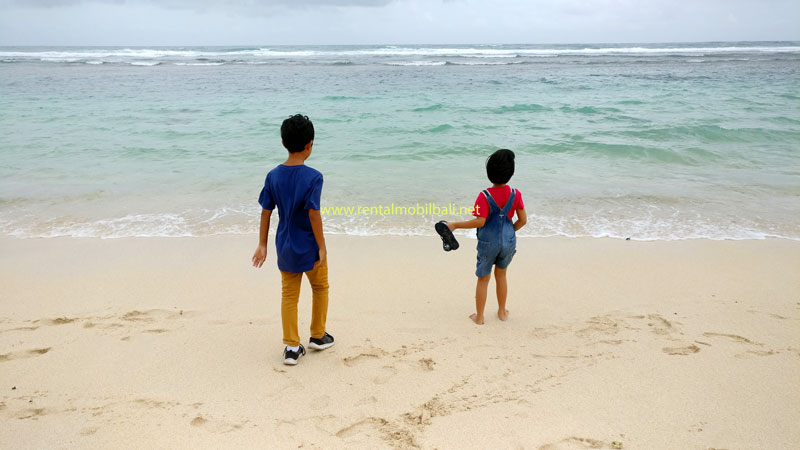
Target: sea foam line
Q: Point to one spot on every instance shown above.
(473, 52)
(237, 221)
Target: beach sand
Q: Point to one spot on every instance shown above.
(176, 343)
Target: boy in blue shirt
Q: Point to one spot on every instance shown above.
(497, 239)
(296, 189)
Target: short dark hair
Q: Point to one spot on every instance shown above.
(500, 166)
(296, 132)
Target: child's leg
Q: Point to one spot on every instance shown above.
(290, 294)
(480, 298)
(318, 278)
(502, 292)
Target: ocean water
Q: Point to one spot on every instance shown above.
(650, 141)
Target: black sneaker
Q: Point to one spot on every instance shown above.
(290, 357)
(326, 341)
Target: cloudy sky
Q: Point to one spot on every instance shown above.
(273, 22)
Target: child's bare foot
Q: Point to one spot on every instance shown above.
(476, 319)
(503, 315)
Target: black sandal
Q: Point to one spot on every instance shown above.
(449, 241)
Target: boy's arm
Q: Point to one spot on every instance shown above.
(522, 219)
(474, 223)
(316, 226)
(261, 251)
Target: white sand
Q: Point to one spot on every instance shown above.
(176, 343)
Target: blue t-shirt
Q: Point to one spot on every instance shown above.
(295, 190)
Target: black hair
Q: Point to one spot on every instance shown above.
(297, 131)
(500, 166)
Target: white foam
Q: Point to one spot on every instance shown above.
(138, 225)
(643, 228)
(422, 51)
(144, 63)
(497, 55)
(684, 51)
(389, 51)
(618, 217)
(51, 59)
(232, 223)
(287, 53)
(485, 63)
(417, 63)
(159, 53)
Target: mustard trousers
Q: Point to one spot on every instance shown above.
(290, 293)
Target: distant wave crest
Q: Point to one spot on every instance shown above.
(391, 55)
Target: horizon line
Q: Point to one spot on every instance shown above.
(403, 44)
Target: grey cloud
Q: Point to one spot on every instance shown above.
(224, 22)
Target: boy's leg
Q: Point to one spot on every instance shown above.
(290, 294)
(480, 298)
(318, 277)
(502, 292)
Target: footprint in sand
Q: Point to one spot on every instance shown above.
(384, 375)
(58, 321)
(45, 322)
(379, 431)
(575, 443)
(681, 350)
(661, 326)
(136, 318)
(734, 337)
(368, 426)
(773, 315)
(21, 329)
(24, 354)
(743, 340)
(427, 364)
(599, 325)
(156, 331)
(198, 421)
(36, 327)
(215, 426)
(31, 413)
(750, 353)
(546, 332)
(153, 315)
(351, 361)
(89, 431)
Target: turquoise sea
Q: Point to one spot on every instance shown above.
(648, 141)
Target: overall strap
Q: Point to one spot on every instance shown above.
(490, 199)
(510, 202)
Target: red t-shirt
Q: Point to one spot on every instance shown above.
(500, 196)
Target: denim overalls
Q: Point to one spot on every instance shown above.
(497, 240)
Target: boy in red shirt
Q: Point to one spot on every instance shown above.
(497, 240)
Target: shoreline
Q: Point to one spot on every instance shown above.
(413, 235)
(175, 342)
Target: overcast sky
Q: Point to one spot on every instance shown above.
(273, 22)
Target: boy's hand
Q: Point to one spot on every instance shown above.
(259, 256)
(323, 258)
(451, 226)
